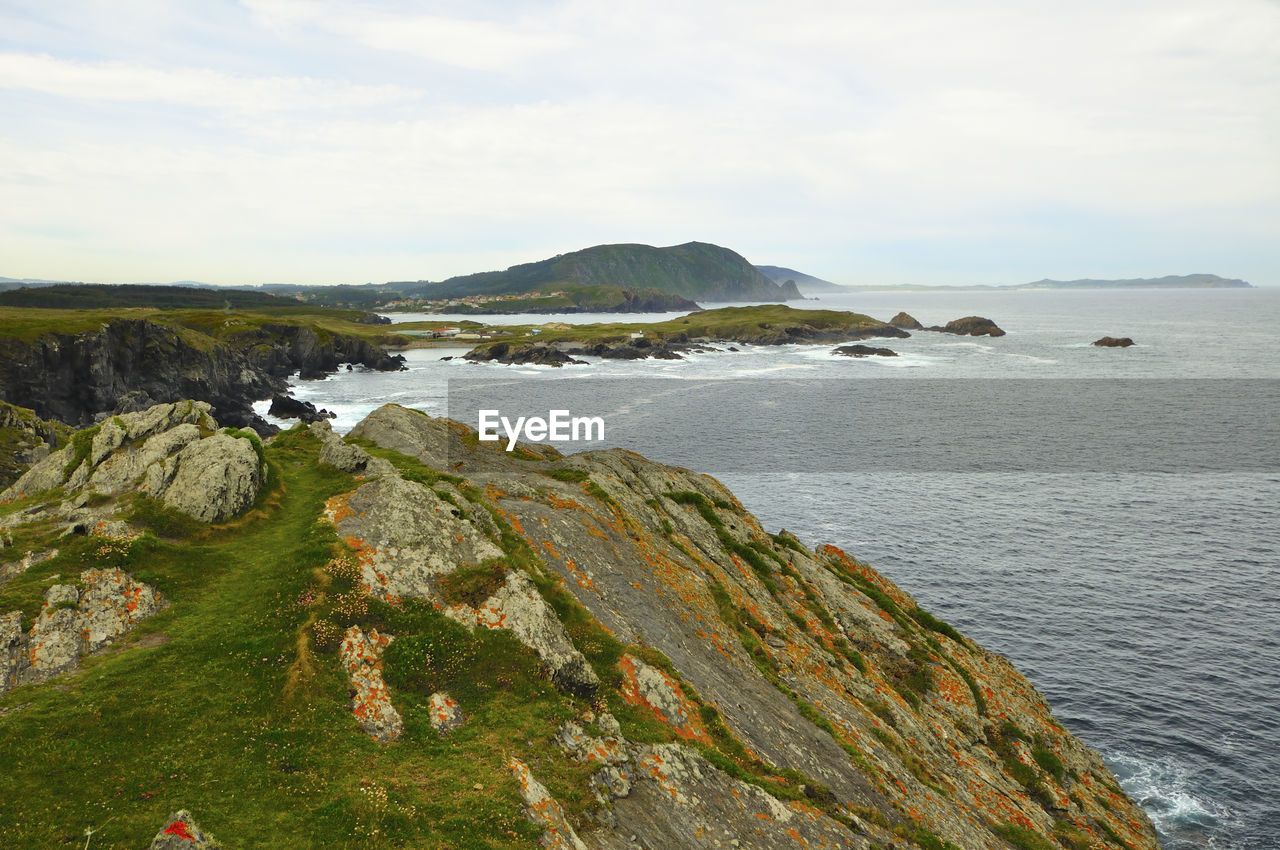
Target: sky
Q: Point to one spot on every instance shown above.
(863, 141)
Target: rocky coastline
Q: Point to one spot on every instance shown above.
(128, 365)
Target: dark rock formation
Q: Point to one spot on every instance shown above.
(970, 326)
(1113, 342)
(372, 319)
(131, 364)
(864, 351)
(288, 407)
(906, 321)
(520, 355)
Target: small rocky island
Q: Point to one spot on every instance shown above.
(409, 636)
(1113, 342)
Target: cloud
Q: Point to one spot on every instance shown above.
(470, 43)
(195, 87)
(371, 141)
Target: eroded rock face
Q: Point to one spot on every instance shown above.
(181, 832)
(371, 703)
(73, 622)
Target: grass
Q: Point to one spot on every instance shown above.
(239, 719)
(1022, 838)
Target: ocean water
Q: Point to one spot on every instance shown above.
(1141, 597)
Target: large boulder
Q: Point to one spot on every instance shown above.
(212, 479)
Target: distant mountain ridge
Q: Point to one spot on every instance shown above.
(806, 282)
(1185, 281)
(695, 270)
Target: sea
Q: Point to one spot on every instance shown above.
(1108, 519)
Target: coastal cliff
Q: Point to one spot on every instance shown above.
(126, 364)
(413, 639)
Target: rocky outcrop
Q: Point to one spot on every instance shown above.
(181, 832)
(1113, 342)
(129, 365)
(25, 439)
(370, 702)
(74, 621)
(521, 355)
(170, 452)
(864, 351)
(906, 321)
(810, 659)
(970, 326)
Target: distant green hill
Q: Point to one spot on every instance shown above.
(96, 296)
(695, 270)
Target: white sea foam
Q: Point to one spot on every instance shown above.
(1163, 787)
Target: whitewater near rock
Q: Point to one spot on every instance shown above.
(714, 684)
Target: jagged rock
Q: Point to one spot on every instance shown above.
(906, 321)
(970, 326)
(288, 407)
(519, 608)
(864, 351)
(542, 809)
(162, 452)
(72, 622)
(1113, 342)
(181, 832)
(371, 702)
(444, 712)
(216, 478)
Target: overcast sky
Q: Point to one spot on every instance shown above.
(864, 141)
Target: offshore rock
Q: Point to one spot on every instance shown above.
(970, 326)
(1113, 342)
(181, 832)
(521, 355)
(864, 351)
(370, 702)
(906, 321)
(288, 407)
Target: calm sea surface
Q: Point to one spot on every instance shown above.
(1144, 604)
